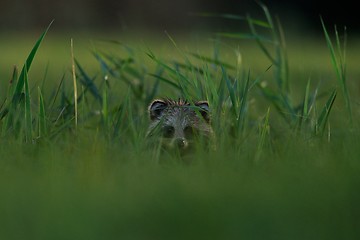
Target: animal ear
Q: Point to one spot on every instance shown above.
(156, 109)
(204, 109)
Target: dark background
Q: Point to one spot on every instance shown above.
(18, 15)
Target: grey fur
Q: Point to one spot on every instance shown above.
(176, 122)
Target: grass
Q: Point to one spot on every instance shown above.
(75, 164)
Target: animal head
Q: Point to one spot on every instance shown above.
(178, 123)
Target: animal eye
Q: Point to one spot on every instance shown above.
(189, 132)
(168, 131)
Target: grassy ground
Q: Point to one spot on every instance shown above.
(286, 163)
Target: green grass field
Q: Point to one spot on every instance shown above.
(75, 164)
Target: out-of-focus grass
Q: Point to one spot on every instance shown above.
(305, 52)
(308, 56)
(86, 190)
(99, 180)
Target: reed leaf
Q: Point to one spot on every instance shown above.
(27, 110)
(339, 65)
(42, 128)
(324, 115)
(26, 67)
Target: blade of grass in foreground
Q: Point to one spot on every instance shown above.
(13, 82)
(16, 92)
(324, 115)
(88, 83)
(7, 112)
(264, 132)
(243, 104)
(105, 111)
(26, 67)
(339, 65)
(42, 116)
(155, 87)
(120, 115)
(172, 71)
(167, 81)
(305, 108)
(232, 93)
(212, 61)
(6, 102)
(74, 82)
(28, 115)
(233, 17)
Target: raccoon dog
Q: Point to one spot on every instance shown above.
(177, 123)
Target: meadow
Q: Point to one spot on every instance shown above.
(75, 163)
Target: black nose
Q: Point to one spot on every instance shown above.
(181, 143)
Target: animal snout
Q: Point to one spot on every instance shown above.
(181, 143)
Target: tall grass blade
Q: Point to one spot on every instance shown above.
(167, 81)
(213, 61)
(219, 15)
(155, 88)
(13, 83)
(3, 113)
(59, 87)
(171, 70)
(183, 81)
(27, 109)
(245, 36)
(305, 111)
(8, 112)
(257, 22)
(283, 70)
(120, 114)
(264, 134)
(74, 82)
(339, 65)
(243, 104)
(4, 109)
(324, 115)
(260, 42)
(277, 101)
(19, 88)
(105, 111)
(177, 48)
(305, 108)
(41, 116)
(231, 90)
(26, 67)
(88, 83)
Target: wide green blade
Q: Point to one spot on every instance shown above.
(26, 67)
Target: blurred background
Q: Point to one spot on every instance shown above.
(86, 15)
(142, 23)
(302, 188)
